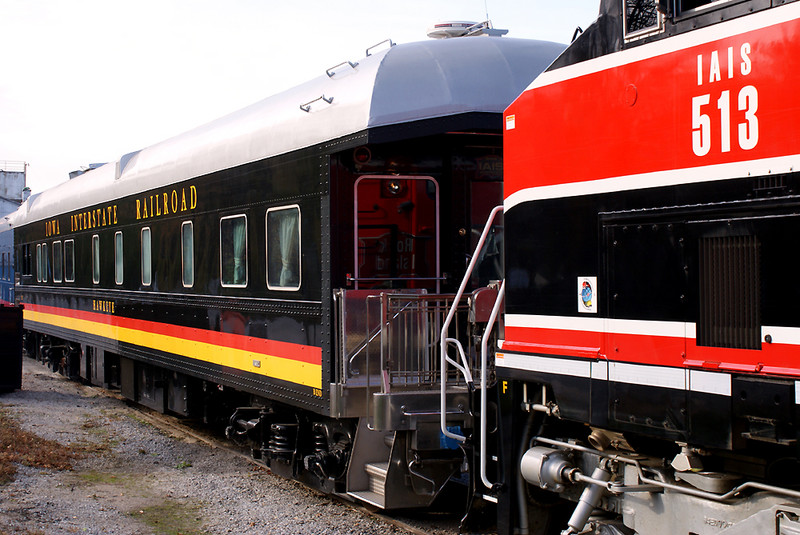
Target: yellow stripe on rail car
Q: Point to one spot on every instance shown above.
(285, 369)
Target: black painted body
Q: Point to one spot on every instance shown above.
(320, 181)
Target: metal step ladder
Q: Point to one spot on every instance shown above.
(377, 477)
(376, 495)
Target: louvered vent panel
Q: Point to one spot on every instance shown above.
(730, 292)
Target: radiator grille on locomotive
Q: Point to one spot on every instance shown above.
(730, 292)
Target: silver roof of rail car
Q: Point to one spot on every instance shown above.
(403, 83)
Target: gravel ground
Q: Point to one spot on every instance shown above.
(142, 480)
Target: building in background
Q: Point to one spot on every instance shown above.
(13, 191)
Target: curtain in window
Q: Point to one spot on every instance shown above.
(283, 248)
(233, 250)
(239, 255)
(288, 246)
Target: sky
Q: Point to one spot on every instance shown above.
(86, 81)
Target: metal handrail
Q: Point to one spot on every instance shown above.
(391, 44)
(332, 71)
(446, 326)
(484, 372)
(464, 367)
(372, 336)
(306, 106)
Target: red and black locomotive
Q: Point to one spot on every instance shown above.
(650, 333)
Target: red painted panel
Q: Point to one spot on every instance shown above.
(640, 117)
(775, 359)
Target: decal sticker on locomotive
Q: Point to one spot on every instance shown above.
(587, 295)
(511, 122)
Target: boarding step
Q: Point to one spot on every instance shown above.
(370, 498)
(379, 474)
(377, 477)
(376, 495)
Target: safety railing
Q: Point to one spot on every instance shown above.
(389, 340)
(445, 359)
(11, 166)
(410, 338)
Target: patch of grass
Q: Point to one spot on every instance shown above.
(139, 420)
(100, 477)
(171, 518)
(22, 447)
(92, 424)
(183, 465)
(109, 483)
(95, 448)
(98, 430)
(112, 414)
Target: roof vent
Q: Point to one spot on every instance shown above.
(445, 30)
(83, 170)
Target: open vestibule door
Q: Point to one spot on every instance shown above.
(396, 233)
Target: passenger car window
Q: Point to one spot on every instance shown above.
(233, 251)
(283, 248)
(58, 261)
(118, 258)
(39, 269)
(96, 259)
(146, 257)
(187, 253)
(69, 260)
(26, 260)
(45, 263)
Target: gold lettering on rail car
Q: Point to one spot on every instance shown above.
(51, 228)
(101, 305)
(165, 203)
(94, 218)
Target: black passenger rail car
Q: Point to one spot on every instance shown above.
(286, 268)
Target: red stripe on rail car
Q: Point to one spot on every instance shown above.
(302, 353)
